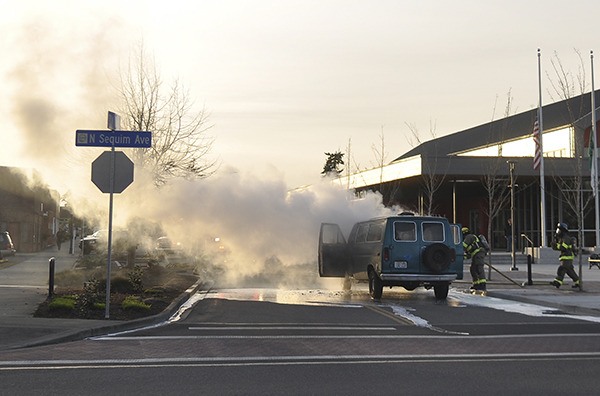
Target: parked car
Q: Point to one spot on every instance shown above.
(99, 240)
(164, 245)
(6, 245)
(404, 250)
(89, 243)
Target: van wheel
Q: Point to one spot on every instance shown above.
(375, 286)
(436, 257)
(441, 291)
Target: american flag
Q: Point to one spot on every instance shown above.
(537, 156)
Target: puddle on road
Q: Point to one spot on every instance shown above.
(316, 297)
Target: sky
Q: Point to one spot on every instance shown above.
(286, 81)
(283, 81)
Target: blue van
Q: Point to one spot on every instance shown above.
(403, 250)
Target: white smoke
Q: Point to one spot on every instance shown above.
(259, 223)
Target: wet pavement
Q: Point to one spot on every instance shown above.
(24, 280)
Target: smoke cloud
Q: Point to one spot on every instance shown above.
(258, 226)
(264, 229)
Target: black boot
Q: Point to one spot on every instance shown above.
(555, 283)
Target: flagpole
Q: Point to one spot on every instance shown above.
(542, 182)
(594, 176)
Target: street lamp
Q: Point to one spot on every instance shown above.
(511, 169)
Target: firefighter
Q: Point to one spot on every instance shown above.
(564, 243)
(475, 251)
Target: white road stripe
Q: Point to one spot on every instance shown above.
(292, 328)
(70, 364)
(401, 337)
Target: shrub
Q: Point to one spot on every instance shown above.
(90, 261)
(62, 303)
(89, 296)
(120, 284)
(135, 279)
(134, 303)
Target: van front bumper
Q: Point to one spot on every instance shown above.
(417, 278)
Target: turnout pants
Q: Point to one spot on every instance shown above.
(477, 270)
(566, 267)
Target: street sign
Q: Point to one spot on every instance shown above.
(134, 139)
(123, 176)
(114, 121)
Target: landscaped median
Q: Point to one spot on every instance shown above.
(135, 292)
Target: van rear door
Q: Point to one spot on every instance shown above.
(458, 248)
(333, 251)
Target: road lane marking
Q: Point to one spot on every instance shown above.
(361, 328)
(70, 364)
(349, 336)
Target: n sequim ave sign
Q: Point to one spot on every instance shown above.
(132, 139)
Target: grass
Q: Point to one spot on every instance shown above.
(133, 302)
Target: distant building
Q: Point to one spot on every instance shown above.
(456, 167)
(29, 210)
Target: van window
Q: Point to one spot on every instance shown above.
(375, 232)
(433, 232)
(332, 235)
(361, 234)
(405, 231)
(456, 234)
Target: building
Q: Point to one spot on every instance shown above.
(466, 175)
(29, 210)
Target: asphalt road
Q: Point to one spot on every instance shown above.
(268, 341)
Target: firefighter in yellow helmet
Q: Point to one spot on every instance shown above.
(564, 243)
(475, 251)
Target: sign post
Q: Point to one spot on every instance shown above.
(112, 171)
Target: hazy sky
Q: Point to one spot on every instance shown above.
(283, 81)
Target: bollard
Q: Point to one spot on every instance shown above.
(529, 261)
(51, 264)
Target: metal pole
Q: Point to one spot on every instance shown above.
(51, 269)
(581, 233)
(110, 216)
(542, 176)
(113, 124)
(454, 201)
(595, 157)
(511, 168)
(529, 278)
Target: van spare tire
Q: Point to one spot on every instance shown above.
(436, 257)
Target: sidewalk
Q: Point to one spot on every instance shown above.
(24, 280)
(582, 302)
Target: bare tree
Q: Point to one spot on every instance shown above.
(495, 186)
(567, 86)
(432, 179)
(380, 155)
(180, 140)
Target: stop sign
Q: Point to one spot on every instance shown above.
(123, 176)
